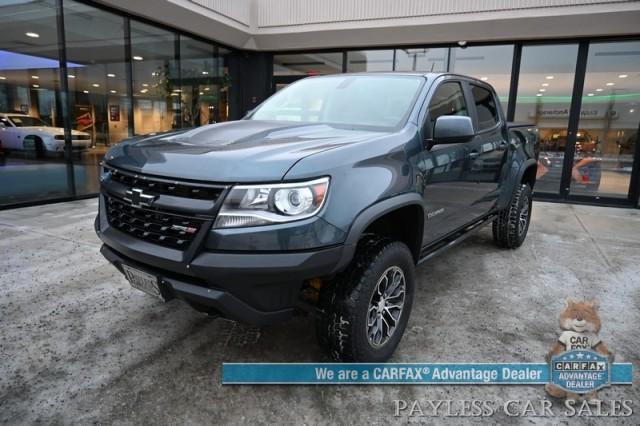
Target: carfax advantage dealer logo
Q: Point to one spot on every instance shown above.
(580, 371)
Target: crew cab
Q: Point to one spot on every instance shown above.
(325, 198)
(26, 133)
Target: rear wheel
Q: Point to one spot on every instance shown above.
(512, 224)
(364, 311)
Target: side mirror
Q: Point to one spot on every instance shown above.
(2, 125)
(452, 129)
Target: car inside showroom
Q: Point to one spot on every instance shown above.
(230, 212)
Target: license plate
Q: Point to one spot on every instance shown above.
(143, 281)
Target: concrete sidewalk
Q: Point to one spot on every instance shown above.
(78, 344)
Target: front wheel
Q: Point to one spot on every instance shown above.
(511, 226)
(34, 147)
(364, 312)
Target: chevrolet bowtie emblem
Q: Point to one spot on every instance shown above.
(138, 199)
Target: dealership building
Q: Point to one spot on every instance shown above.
(77, 77)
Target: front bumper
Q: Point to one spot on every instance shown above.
(256, 287)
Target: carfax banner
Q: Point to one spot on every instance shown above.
(429, 373)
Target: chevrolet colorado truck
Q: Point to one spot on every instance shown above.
(324, 198)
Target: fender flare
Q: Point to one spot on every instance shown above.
(505, 196)
(369, 215)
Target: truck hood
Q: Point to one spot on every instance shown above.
(239, 151)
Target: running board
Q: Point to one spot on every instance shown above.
(453, 239)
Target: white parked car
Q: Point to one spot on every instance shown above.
(23, 132)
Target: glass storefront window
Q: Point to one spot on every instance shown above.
(178, 82)
(224, 85)
(199, 93)
(423, 59)
(307, 64)
(32, 164)
(369, 60)
(156, 84)
(204, 83)
(99, 106)
(609, 118)
(488, 63)
(544, 98)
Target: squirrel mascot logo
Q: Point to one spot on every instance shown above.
(580, 325)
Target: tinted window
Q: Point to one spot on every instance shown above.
(485, 106)
(487, 63)
(447, 100)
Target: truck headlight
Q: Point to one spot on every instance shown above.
(254, 205)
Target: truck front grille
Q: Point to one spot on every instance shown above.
(164, 186)
(165, 229)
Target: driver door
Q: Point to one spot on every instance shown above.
(443, 168)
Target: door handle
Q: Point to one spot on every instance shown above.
(473, 155)
(502, 145)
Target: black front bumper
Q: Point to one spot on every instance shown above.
(256, 288)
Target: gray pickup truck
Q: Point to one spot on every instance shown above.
(324, 198)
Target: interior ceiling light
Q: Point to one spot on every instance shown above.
(549, 77)
(484, 78)
(95, 85)
(623, 76)
(589, 94)
(112, 91)
(138, 58)
(207, 89)
(85, 91)
(2, 77)
(610, 84)
(545, 84)
(145, 85)
(35, 77)
(36, 85)
(201, 93)
(111, 75)
(542, 90)
(71, 76)
(599, 90)
(32, 34)
(538, 94)
(205, 72)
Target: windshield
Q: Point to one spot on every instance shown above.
(357, 100)
(22, 121)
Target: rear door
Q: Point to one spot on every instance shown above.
(487, 151)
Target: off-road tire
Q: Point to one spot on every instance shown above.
(508, 232)
(341, 324)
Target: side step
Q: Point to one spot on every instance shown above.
(453, 239)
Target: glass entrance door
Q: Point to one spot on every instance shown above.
(607, 136)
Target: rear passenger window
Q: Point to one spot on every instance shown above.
(486, 107)
(447, 100)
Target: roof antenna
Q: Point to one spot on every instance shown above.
(433, 64)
